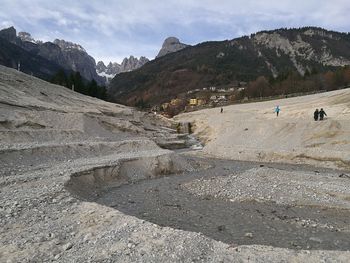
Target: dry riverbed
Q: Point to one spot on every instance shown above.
(245, 203)
(82, 180)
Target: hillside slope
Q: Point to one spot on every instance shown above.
(223, 63)
(253, 132)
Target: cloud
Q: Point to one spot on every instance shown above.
(6, 23)
(120, 28)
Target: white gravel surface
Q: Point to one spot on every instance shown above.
(49, 135)
(253, 132)
(278, 186)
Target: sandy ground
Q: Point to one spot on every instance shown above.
(61, 151)
(253, 132)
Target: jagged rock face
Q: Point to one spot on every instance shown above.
(9, 34)
(113, 69)
(301, 48)
(68, 46)
(142, 61)
(107, 72)
(66, 54)
(53, 52)
(170, 45)
(71, 56)
(79, 60)
(132, 63)
(100, 67)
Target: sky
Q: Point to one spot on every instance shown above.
(112, 30)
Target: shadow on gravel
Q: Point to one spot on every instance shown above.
(165, 202)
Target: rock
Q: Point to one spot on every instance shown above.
(221, 228)
(67, 246)
(9, 34)
(249, 235)
(170, 45)
(316, 239)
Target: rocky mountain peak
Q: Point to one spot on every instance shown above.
(171, 41)
(170, 45)
(143, 60)
(113, 68)
(100, 67)
(132, 63)
(9, 34)
(66, 45)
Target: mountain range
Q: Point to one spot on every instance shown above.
(16, 53)
(170, 45)
(179, 68)
(59, 54)
(44, 59)
(225, 63)
(108, 72)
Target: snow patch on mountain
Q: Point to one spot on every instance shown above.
(112, 69)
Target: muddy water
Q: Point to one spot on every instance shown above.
(164, 202)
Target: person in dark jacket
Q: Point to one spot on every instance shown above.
(316, 114)
(322, 113)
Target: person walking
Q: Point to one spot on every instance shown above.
(316, 113)
(222, 110)
(277, 110)
(322, 113)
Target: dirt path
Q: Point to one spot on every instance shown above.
(166, 202)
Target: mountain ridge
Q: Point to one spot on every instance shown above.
(223, 63)
(69, 56)
(170, 45)
(114, 68)
(72, 56)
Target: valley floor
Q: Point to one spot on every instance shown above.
(83, 180)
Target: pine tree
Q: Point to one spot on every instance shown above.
(92, 89)
(60, 78)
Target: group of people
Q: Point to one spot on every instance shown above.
(319, 114)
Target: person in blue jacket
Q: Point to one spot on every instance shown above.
(277, 110)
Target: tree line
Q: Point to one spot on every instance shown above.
(293, 82)
(75, 80)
